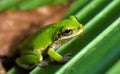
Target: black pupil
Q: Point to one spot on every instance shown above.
(67, 31)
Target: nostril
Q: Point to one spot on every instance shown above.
(78, 27)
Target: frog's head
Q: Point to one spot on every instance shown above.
(69, 28)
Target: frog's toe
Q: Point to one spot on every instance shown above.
(65, 58)
(69, 54)
(42, 63)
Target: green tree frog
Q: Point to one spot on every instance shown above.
(46, 41)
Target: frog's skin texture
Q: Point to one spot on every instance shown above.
(46, 41)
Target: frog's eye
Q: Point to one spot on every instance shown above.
(67, 32)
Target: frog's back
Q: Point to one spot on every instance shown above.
(46, 35)
(38, 40)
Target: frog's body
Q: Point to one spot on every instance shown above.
(46, 40)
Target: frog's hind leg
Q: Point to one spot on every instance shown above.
(29, 61)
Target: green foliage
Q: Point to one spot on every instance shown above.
(97, 50)
(5, 4)
(27, 4)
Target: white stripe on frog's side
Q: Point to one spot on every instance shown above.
(58, 43)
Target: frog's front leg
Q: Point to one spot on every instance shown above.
(57, 57)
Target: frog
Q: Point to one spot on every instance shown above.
(46, 41)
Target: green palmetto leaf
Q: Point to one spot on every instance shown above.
(96, 57)
(115, 69)
(97, 48)
(93, 28)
